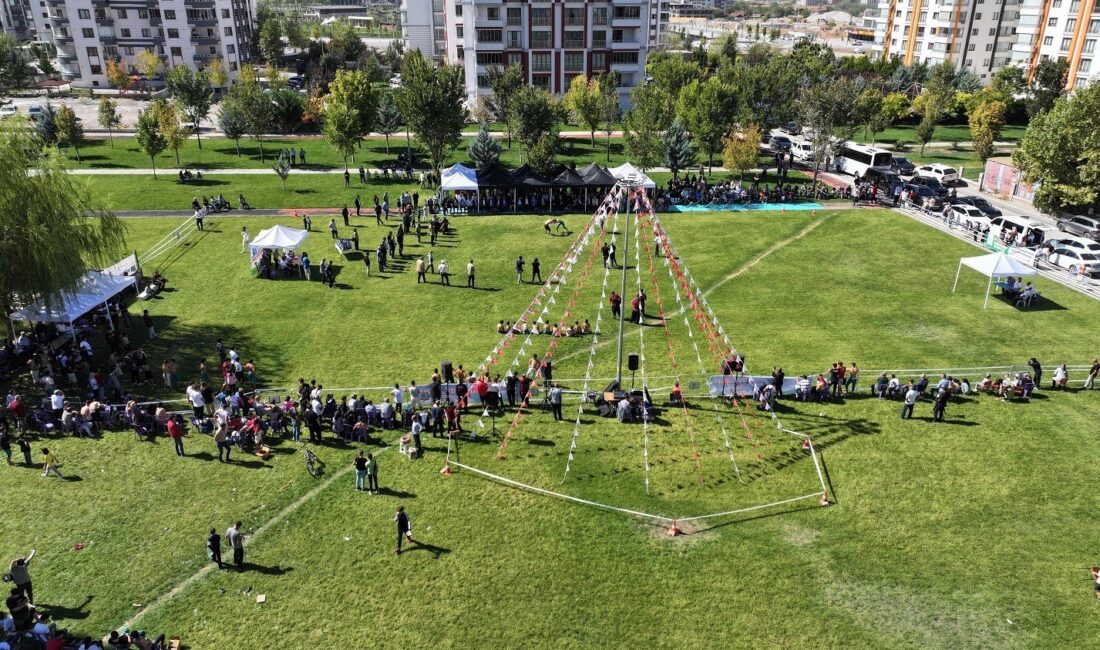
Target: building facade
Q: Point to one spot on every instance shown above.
(1060, 29)
(88, 33)
(552, 40)
(14, 19)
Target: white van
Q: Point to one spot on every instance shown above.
(1027, 234)
(802, 150)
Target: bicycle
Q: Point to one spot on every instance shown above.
(314, 465)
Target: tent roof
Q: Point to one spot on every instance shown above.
(279, 237)
(998, 265)
(458, 177)
(525, 176)
(94, 289)
(626, 170)
(568, 178)
(495, 176)
(596, 176)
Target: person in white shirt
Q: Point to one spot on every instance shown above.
(244, 240)
(1061, 377)
(894, 386)
(911, 397)
(398, 395)
(57, 402)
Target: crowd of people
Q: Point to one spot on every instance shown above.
(698, 190)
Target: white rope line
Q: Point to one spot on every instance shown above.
(641, 352)
(815, 495)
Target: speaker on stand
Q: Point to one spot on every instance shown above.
(448, 372)
(632, 363)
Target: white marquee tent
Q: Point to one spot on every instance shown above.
(93, 290)
(278, 237)
(458, 177)
(994, 265)
(626, 170)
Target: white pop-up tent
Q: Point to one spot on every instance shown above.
(626, 170)
(93, 290)
(994, 265)
(278, 237)
(458, 177)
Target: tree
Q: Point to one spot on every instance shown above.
(255, 106)
(609, 104)
(117, 75)
(148, 63)
(271, 41)
(46, 126)
(282, 166)
(505, 83)
(295, 35)
(193, 93)
(933, 103)
(484, 150)
(868, 110)
(69, 131)
(708, 108)
(432, 100)
(986, 121)
(149, 137)
(173, 132)
(109, 117)
(647, 118)
(1047, 85)
(232, 122)
(389, 118)
(583, 99)
(14, 71)
(742, 150)
(353, 90)
(1059, 152)
(1010, 85)
(768, 92)
(341, 128)
(672, 74)
(215, 72)
(679, 149)
(534, 114)
(894, 107)
(375, 71)
(54, 230)
(827, 108)
(42, 58)
(288, 109)
(542, 153)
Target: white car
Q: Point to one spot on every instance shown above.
(969, 217)
(942, 173)
(1073, 260)
(8, 111)
(1075, 243)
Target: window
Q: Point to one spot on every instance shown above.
(121, 13)
(540, 17)
(599, 16)
(128, 50)
(574, 61)
(599, 61)
(1053, 22)
(1090, 45)
(1071, 24)
(1085, 65)
(176, 51)
(490, 58)
(458, 9)
(1048, 40)
(599, 39)
(460, 52)
(146, 32)
(515, 39)
(170, 14)
(988, 47)
(515, 15)
(84, 14)
(96, 69)
(482, 81)
(574, 16)
(213, 50)
(515, 58)
(970, 48)
(233, 66)
(624, 57)
(541, 81)
(87, 32)
(228, 31)
(492, 13)
(1065, 43)
(490, 36)
(232, 49)
(143, 14)
(1094, 26)
(225, 13)
(626, 80)
(628, 12)
(173, 33)
(540, 40)
(125, 33)
(93, 52)
(540, 62)
(573, 39)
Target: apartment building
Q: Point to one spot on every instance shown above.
(1060, 29)
(552, 40)
(88, 33)
(14, 20)
(978, 35)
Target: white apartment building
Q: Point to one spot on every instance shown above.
(1060, 29)
(553, 40)
(978, 35)
(88, 33)
(14, 20)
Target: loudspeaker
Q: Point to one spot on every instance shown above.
(632, 361)
(606, 410)
(448, 372)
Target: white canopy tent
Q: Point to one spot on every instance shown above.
(458, 177)
(626, 170)
(278, 237)
(994, 265)
(94, 289)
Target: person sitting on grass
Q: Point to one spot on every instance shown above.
(802, 388)
(893, 388)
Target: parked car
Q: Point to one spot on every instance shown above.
(1073, 242)
(781, 143)
(802, 150)
(35, 112)
(1073, 260)
(882, 179)
(942, 173)
(978, 202)
(296, 81)
(931, 183)
(1027, 234)
(8, 110)
(969, 216)
(921, 195)
(1081, 226)
(901, 165)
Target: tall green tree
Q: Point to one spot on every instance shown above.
(14, 71)
(534, 114)
(708, 108)
(894, 107)
(868, 109)
(174, 133)
(827, 109)
(149, 137)
(645, 123)
(1047, 85)
(54, 229)
(194, 95)
(69, 131)
(679, 150)
(46, 125)
(108, 117)
(484, 151)
(768, 91)
(232, 122)
(288, 109)
(255, 106)
(583, 100)
(341, 128)
(672, 74)
(986, 121)
(741, 151)
(271, 41)
(609, 105)
(353, 90)
(542, 153)
(1061, 152)
(505, 83)
(389, 118)
(933, 103)
(432, 100)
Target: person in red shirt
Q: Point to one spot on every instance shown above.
(175, 432)
(616, 304)
(636, 310)
(841, 372)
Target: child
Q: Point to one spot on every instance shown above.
(404, 527)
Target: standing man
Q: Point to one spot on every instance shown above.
(358, 206)
(175, 432)
(519, 270)
(417, 429)
(372, 474)
(939, 407)
(362, 175)
(301, 155)
(244, 239)
(347, 179)
(360, 472)
(421, 274)
(1090, 381)
(198, 402)
(332, 227)
(1036, 370)
(616, 305)
(470, 274)
(444, 273)
(404, 527)
(345, 214)
(150, 330)
(236, 542)
(555, 401)
(911, 396)
(355, 238)
(21, 575)
(214, 547)
(536, 271)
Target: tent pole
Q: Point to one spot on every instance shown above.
(110, 321)
(956, 285)
(987, 289)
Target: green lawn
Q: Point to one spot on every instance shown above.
(970, 163)
(973, 533)
(944, 133)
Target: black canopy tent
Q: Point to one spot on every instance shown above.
(566, 177)
(596, 177)
(524, 177)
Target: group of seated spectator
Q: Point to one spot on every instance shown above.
(691, 190)
(892, 388)
(541, 200)
(1008, 386)
(576, 329)
(27, 627)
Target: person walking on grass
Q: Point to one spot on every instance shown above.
(235, 540)
(470, 275)
(360, 463)
(404, 527)
(175, 432)
(244, 239)
(345, 214)
(519, 270)
(347, 179)
(50, 464)
(1090, 381)
(332, 228)
(358, 206)
(372, 474)
(421, 273)
(536, 271)
(25, 447)
(366, 261)
(214, 547)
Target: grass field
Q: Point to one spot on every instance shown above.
(944, 133)
(973, 533)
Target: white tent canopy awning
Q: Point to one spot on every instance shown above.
(994, 265)
(279, 237)
(93, 290)
(626, 170)
(458, 177)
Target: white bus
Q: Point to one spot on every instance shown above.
(856, 159)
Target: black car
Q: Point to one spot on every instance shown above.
(781, 143)
(931, 183)
(920, 194)
(978, 202)
(882, 179)
(901, 165)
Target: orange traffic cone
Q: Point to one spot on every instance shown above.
(806, 444)
(446, 471)
(824, 498)
(673, 530)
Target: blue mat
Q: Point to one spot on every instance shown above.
(747, 207)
